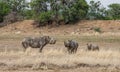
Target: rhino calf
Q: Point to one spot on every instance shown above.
(92, 47)
(71, 46)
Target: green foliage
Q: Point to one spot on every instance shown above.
(65, 10)
(4, 10)
(39, 10)
(96, 11)
(76, 11)
(17, 5)
(8, 6)
(28, 14)
(114, 11)
(38, 6)
(44, 16)
(59, 10)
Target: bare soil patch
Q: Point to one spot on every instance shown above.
(108, 27)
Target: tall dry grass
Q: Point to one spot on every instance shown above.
(60, 57)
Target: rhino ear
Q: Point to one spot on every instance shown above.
(68, 40)
(88, 44)
(48, 36)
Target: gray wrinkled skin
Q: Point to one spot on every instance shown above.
(92, 47)
(52, 41)
(36, 42)
(71, 46)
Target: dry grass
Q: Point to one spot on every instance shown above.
(13, 58)
(56, 57)
(60, 57)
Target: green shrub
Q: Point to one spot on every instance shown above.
(4, 10)
(44, 17)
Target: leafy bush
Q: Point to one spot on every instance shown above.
(114, 11)
(4, 10)
(77, 11)
(96, 11)
(64, 10)
(44, 17)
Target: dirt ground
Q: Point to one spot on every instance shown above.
(55, 58)
(85, 27)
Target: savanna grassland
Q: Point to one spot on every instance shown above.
(55, 58)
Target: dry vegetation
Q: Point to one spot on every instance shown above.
(58, 59)
(55, 57)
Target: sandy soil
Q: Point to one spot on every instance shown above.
(108, 27)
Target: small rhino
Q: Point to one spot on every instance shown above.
(92, 47)
(71, 45)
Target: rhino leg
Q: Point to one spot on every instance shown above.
(41, 48)
(69, 50)
(25, 45)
